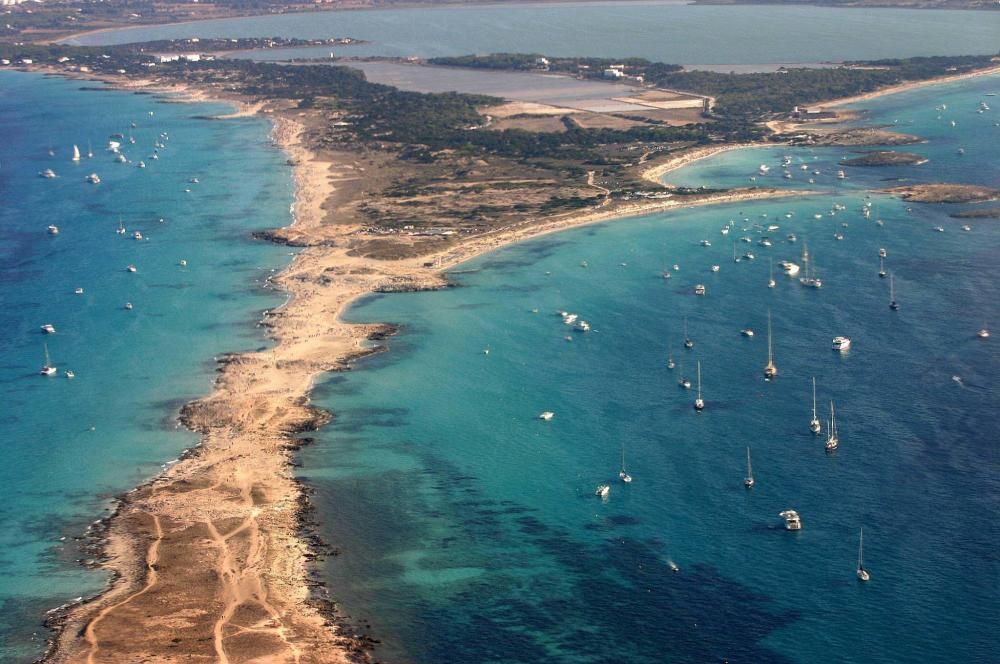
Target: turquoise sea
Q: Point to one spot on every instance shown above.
(469, 530)
(70, 445)
(661, 31)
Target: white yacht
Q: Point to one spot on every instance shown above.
(93, 179)
(78, 291)
(47, 173)
(582, 326)
(113, 146)
(832, 437)
(547, 415)
(602, 491)
(47, 368)
(622, 474)
(983, 333)
(53, 229)
(748, 481)
(699, 403)
(747, 332)
(841, 343)
(699, 289)
(48, 328)
(130, 268)
(128, 306)
(763, 169)
(863, 574)
(137, 235)
(792, 520)
(789, 268)
(770, 371)
(814, 423)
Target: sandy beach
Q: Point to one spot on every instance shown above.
(211, 558)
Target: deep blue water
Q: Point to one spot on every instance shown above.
(469, 530)
(70, 445)
(661, 31)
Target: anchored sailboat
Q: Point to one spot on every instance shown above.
(622, 475)
(810, 279)
(688, 343)
(684, 381)
(748, 481)
(881, 267)
(670, 357)
(892, 294)
(699, 403)
(814, 424)
(47, 368)
(863, 574)
(832, 438)
(771, 283)
(770, 371)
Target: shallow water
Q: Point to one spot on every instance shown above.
(70, 445)
(661, 31)
(468, 527)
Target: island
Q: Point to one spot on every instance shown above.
(885, 158)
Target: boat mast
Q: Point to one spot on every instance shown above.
(699, 380)
(861, 544)
(749, 467)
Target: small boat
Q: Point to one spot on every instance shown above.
(771, 283)
(832, 437)
(747, 332)
(814, 424)
(892, 294)
(76, 153)
(48, 328)
(602, 491)
(699, 289)
(137, 235)
(863, 574)
(582, 326)
(841, 343)
(716, 268)
(141, 164)
(748, 256)
(676, 267)
(121, 158)
(547, 415)
(748, 481)
(790, 268)
(983, 333)
(195, 181)
(699, 403)
(792, 237)
(688, 342)
(93, 178)
(622, 475)
(882, 252)
(966, 228)
(670, 359)
(130, 268)
(121, 227)
(78, 291)
(770, 371)
(47, 368)
(773, 227)
(763, 169)
(684, 381)
(154, 156)
(53, 229)
(841, 175)
(765, 242)
(128, 306)
(113, 146)
(881, 267)
(939, 229)
(47, 173)
(706, 243)
(69, 374)
(792, 520)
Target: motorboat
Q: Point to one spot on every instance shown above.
(792, 520)
(841, 343)
(699, 289)
(53, 230)
(48, 328)
(547, 415)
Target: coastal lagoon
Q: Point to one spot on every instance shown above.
(70, 445)
(469, 530)
(660, 31)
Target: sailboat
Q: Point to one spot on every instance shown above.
(47, 368)
(810, 279)
(881, 267)
(748, 481)
(771, 283)
(670, 358)
(90, 151)
(863, 574)
(770, 371)
(684, 381)
(832, 439)
(699, 403)
(892, 294)
(814, 424)
(76, 153)
(121, 227)
(622, 475)
(688, 343)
